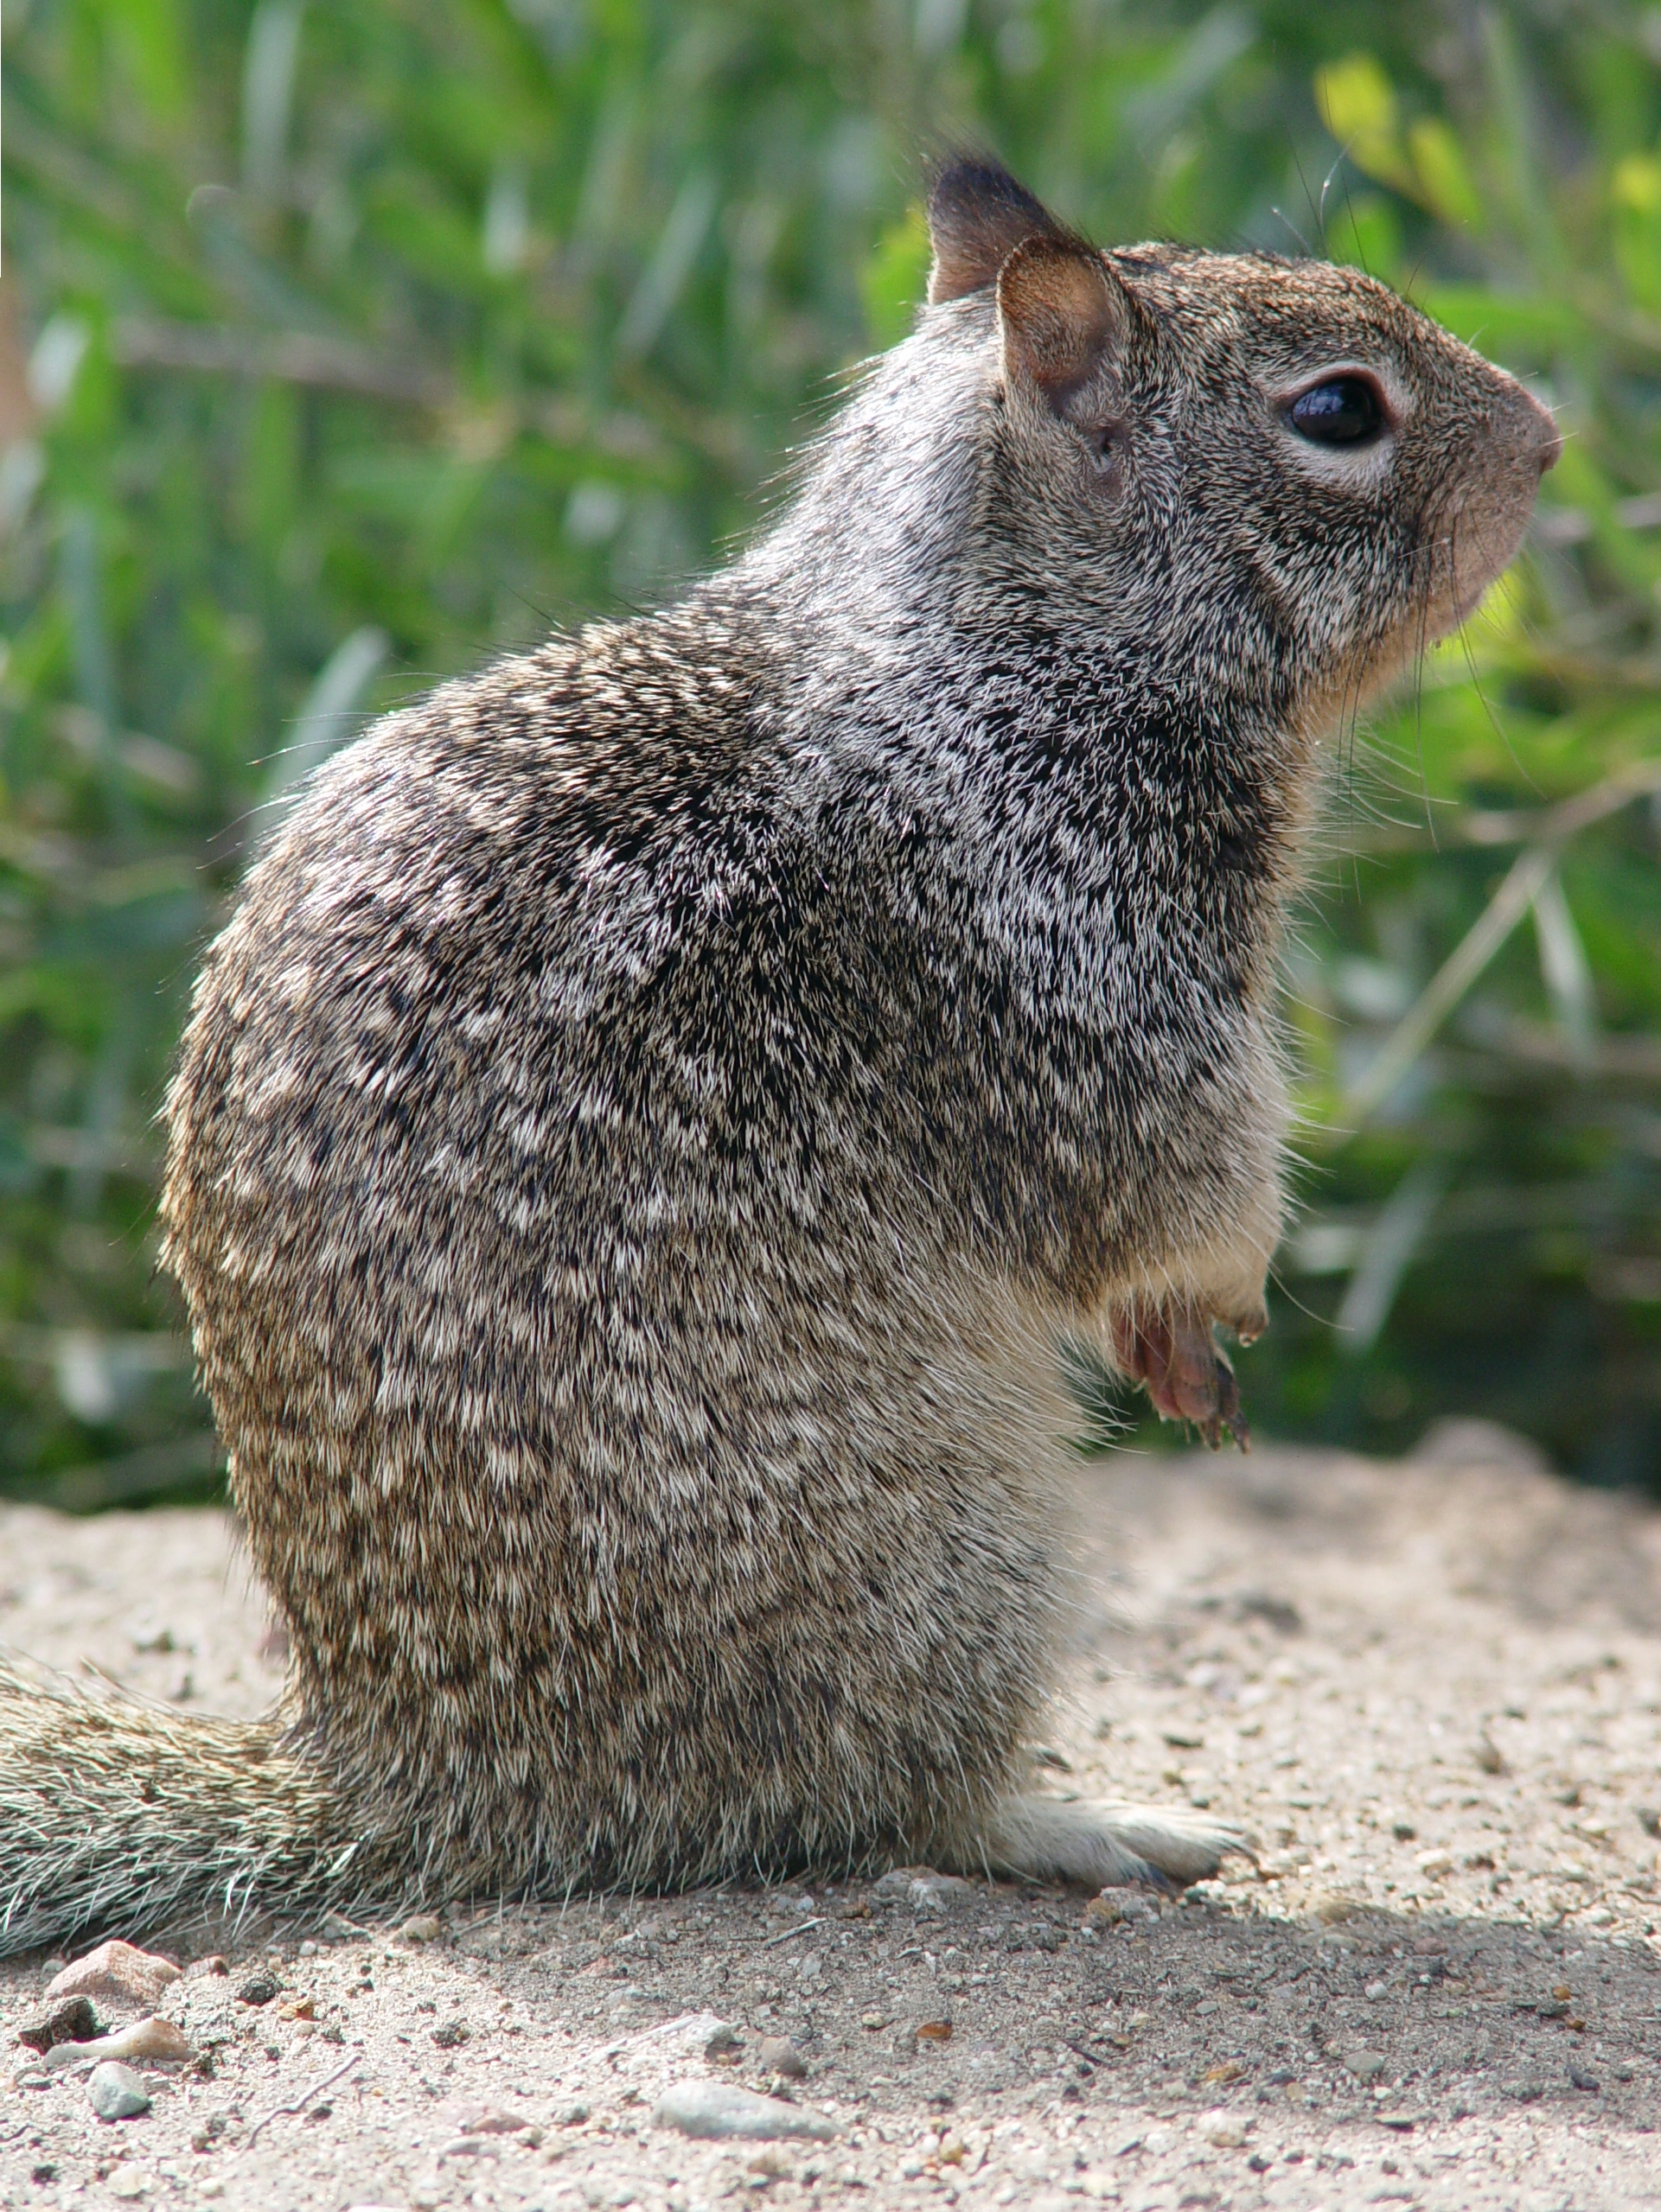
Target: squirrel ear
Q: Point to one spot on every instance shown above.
(977, 216)
(1061, 312)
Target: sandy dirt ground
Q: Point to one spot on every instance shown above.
(1433, 1689)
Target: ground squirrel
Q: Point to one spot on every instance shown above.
(663, 1105)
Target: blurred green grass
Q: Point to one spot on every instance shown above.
(342, 347)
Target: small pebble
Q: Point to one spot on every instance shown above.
(70, 2020)
(778, 2055)
(712, 2110)
(115, 2091)
(1367, 2065)
(116, 1969)
(152, 2038)
(923, 1890)
(485, 2119)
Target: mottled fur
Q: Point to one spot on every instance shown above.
(661, 1105)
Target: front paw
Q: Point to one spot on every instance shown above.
(1172, 1351)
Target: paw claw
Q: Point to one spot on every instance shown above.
(1173, 1353)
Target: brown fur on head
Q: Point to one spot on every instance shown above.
(1150, 406)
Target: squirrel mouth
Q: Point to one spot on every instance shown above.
(1464, 607)
(1448, 615)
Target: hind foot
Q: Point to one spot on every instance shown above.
(1105, 1845)
(1170, 1349)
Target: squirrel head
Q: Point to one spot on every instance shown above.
(1249, 470)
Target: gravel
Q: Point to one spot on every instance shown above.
(154, 2038)
(714, 2109)
(71, 2020)
(1433, 1689)
(115, 2091)
(777, 2055)
(118, 1972)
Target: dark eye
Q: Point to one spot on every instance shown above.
(1345, 410)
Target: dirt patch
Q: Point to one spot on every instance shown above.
(1434, 1690)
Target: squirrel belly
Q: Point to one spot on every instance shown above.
(662, 1108)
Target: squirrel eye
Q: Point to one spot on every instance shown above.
(1345, 410)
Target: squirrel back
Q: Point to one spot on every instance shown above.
(663, 1105)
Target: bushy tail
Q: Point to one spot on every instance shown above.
(119, 1818)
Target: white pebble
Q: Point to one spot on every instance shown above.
(712, 2109)
(153, 2038)
(115, 2091)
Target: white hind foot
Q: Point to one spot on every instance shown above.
(1104, 1845)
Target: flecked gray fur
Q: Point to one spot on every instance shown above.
(663, 1103)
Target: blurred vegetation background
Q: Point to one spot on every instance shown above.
(342, 346)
